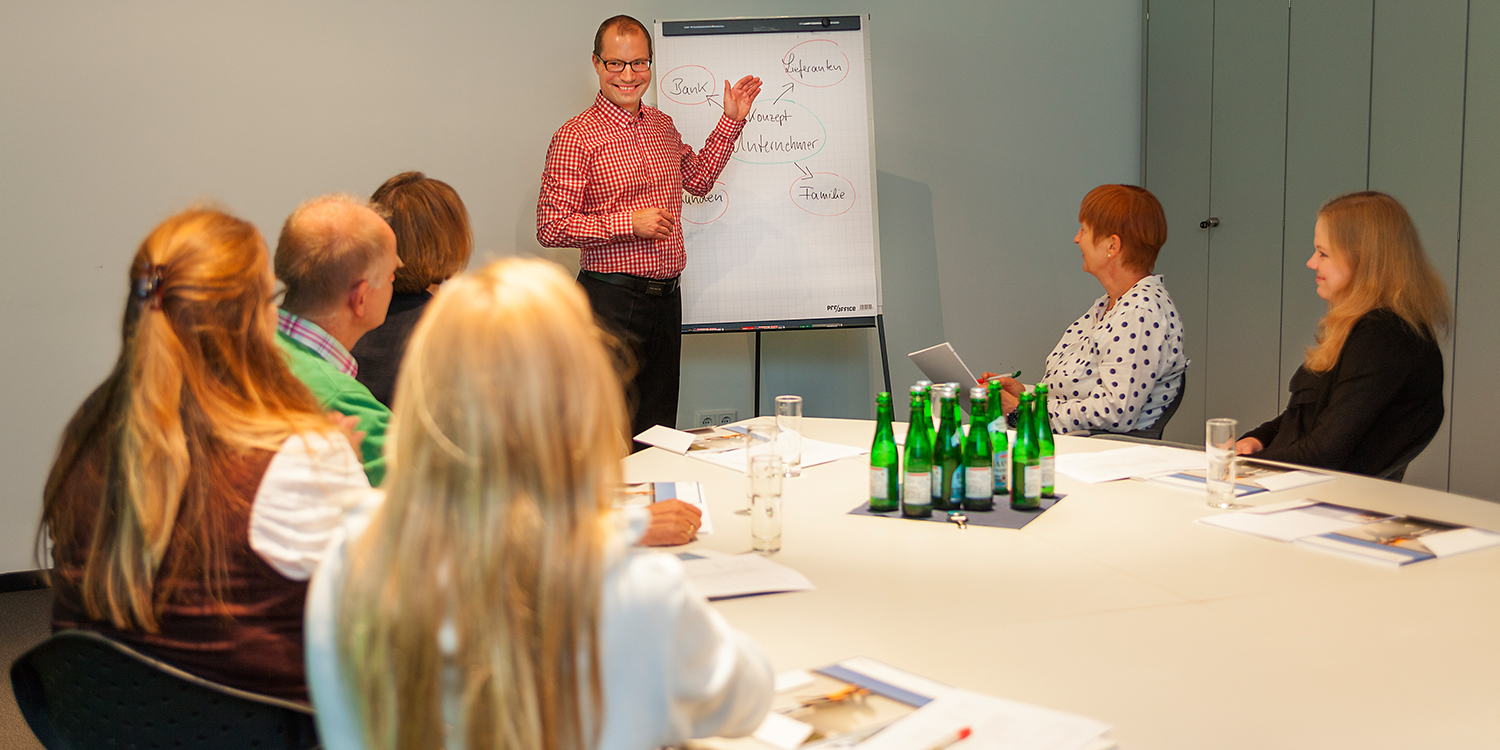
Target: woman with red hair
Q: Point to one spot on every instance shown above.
(1120, 366)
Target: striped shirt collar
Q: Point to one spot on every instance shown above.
(312, 336)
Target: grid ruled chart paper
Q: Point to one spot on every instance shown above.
(788, 235)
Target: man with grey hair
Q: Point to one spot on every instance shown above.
(337, 258)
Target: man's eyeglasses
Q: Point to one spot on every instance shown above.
(618, 66)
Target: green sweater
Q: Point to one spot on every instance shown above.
(338, 392)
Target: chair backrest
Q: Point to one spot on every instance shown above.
(79, 690)
(1154, 431)
(1397, 470)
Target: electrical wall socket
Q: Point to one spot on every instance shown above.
(711, 417)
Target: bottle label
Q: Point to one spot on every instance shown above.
(880, 481)
(1049, 471)
(935, 484)
(1001, 467)
(979, 482)
(1033, 482)
(918, 489)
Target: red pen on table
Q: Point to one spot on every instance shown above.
(961, 734)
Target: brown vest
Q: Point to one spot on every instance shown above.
(253, 642)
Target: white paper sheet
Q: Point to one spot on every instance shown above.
(1285, 522)
(1458, 541)
(667, 438)
(719, 576)
(996, 724)
(782, 731)
(814, 452)
(1291, 479)
(1107, 466)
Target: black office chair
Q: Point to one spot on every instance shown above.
(1396, 472)
(1154, 431)
(80, 690)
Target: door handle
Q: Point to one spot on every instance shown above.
(1209, 223)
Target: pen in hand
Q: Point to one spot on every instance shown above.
(988, 376)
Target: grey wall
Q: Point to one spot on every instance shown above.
(992, 121)
(1257, 113)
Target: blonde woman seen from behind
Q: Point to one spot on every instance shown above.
(196, 488)
(490, 601)
(1370, 392)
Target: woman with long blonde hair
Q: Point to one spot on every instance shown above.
(195, 488)
(491, 600)
(1369, 394)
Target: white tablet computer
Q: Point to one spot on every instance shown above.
(942, 365)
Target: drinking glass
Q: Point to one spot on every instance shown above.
(789, 433)
(1219, 444)
(765, 503)
(760, 440)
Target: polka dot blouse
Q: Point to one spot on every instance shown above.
(1117, 370)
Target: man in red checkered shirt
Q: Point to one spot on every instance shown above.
(612, 188)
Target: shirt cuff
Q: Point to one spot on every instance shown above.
(632, 523)
(729, 128)
(619, 226)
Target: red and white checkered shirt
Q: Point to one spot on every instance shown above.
(312, 336)
(605, 164)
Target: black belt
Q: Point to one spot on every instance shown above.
(641, 284)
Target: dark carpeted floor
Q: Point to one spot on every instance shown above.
(25, 618)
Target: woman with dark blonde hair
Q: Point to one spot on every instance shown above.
(195, 488)
(1119, 366)
(1369, 393)
(434, 242)
(492, 600)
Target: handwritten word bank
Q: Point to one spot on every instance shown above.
(677, 87)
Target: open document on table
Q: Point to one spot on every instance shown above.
(717, 575)
(1123, 463)
(1363, 534)
(867, 704)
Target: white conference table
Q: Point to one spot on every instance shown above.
(1115, 605)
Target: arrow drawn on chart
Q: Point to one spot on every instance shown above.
(713, 98)
(787, 89)
(806, 175)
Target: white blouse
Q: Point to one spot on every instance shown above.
(673, 668)
(1116, 370)
(312, 481)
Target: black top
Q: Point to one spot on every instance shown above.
(1383, 398)
(379, 352)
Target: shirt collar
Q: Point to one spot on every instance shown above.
(312, 336)
(1146, 284)
(615, 113)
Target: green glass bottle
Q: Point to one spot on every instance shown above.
(927, 413)
(947, 452)
(956, 449)
(1046, 447)
(999, 442)
(916, 495)
(979, 477)
(1025, 463)
(885, 462)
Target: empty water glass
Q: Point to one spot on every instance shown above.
(1219, 444)
(789, 433)
(765, 503)
(760, 440)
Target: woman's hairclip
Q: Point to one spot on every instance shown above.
(148, 286)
